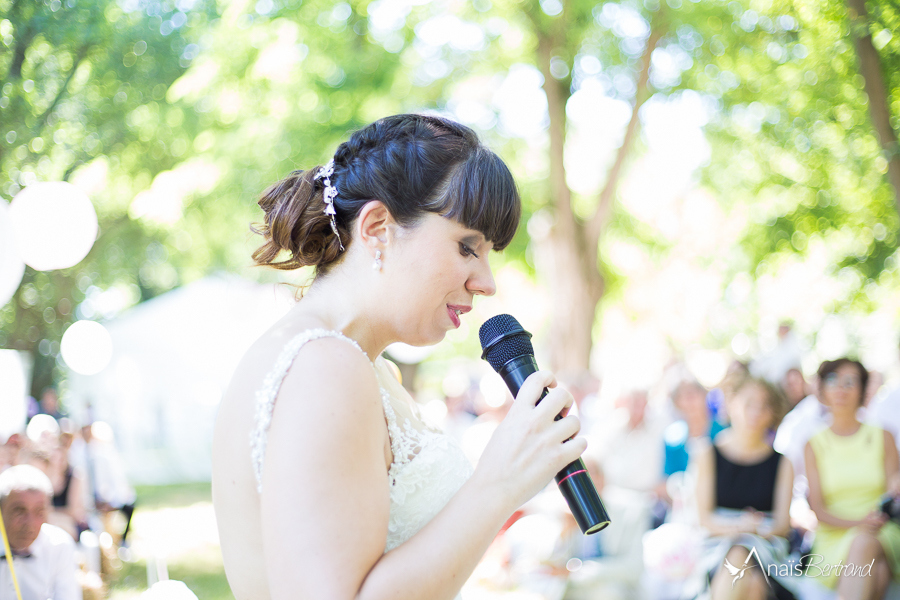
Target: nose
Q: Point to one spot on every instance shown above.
(481, 280)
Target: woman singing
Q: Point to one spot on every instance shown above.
(326, 481)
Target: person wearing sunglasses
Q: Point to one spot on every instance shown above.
(850, 466)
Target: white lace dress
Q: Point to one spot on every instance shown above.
(429, 466)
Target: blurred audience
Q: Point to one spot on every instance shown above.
(884, 412)
(459, 416)
(743, 495)
(111, 491)
(48, 451)
(690, 481)
(850, 466)
(50, 404)
(804, 420)
(795, 387)
(628, 448)
(43, 555)
(695, 425)
(67, 505)
(787, 354)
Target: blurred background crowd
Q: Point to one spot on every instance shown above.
(710, 188)
(644, 444)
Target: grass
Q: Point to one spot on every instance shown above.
(177, 521)
(151, 497)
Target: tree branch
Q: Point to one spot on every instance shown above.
(23, 40)
(879, 110)
(601, 217)
(79, 56)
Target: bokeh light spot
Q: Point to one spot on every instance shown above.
(54, 225)
(86, 347)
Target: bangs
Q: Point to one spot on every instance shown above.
(481, 194)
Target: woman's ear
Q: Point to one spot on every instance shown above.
(375, 225)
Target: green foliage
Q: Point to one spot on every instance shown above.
(176, 117)
(81, 84)
(176, 114)
(792, 133)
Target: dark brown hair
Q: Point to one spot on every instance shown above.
(830, 366)
(414, 164)
(775, 398)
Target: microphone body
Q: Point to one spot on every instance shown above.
(574, 481)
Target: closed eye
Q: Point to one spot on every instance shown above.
(466, 251)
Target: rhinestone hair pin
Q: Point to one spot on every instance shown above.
(329, 195)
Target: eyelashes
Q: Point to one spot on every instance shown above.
(466, 251)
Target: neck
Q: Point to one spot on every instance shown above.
(19, 551)
(336, 301)
(747, 439)
(844, 423)
(697, 426)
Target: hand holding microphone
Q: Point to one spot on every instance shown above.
(529, 446)
(507, 347)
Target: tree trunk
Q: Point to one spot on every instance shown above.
(567, 256)
(567, 264)
(870, 69)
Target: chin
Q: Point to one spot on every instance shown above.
(420, 338)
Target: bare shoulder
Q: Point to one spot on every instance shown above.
(334, 368)
(326, 377)
(890, 450)
(324, 462)
(329, 401)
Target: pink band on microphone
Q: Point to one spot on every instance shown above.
(571, 475)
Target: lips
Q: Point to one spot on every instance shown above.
(455, 310)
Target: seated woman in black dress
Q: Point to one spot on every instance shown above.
(744, 496)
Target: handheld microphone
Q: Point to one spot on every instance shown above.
(507, 347)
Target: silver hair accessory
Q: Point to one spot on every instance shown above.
(329, 195)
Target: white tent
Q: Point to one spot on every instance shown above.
(172, 358)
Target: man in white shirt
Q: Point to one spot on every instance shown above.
(806, 419)
(43, 555)
(884, 411)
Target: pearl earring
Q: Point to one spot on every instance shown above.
(377, 264)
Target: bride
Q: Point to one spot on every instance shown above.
(326, 481)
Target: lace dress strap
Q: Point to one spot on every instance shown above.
(265, 397)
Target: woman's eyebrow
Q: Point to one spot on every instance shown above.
(474, 239)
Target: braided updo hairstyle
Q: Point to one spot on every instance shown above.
(414, 164)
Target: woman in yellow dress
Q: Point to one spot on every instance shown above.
(850, 466)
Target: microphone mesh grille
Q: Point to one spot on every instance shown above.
(508, 348)
(495, 327)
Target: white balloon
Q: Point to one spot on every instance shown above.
(54, 223)
(86, 347)
(11, 266)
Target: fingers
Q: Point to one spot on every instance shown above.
(568, 427)
(554, 403)
(534, 385)
(572, 450)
